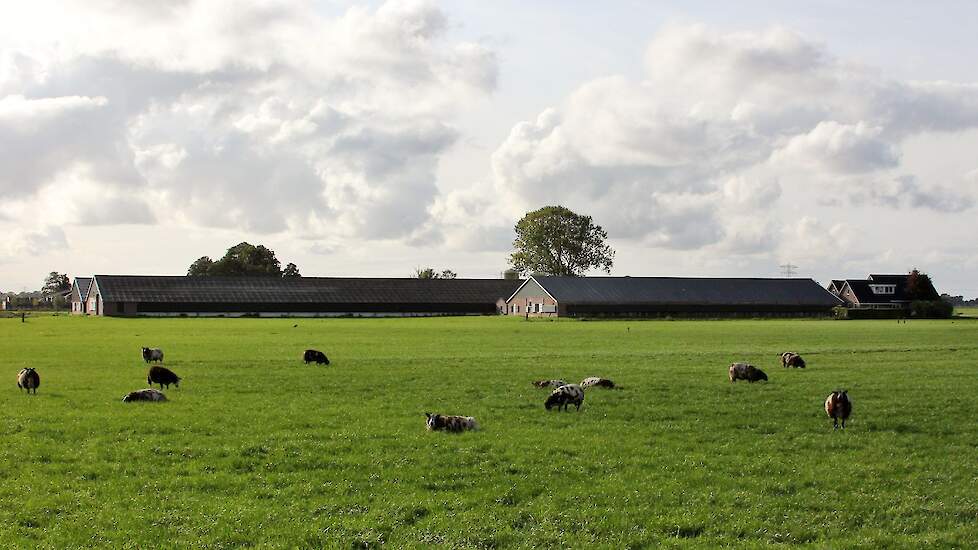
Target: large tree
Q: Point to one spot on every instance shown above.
(56, 283)
(920, 287)
(291, 271)
(243, 259)
(556, 241)
(430, 273)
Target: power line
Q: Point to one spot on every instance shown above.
(788, 270)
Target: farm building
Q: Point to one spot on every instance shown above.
(127, 295)
(79, 295)
(878, 292)
(669, 296)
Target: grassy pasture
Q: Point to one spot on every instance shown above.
(258, 449)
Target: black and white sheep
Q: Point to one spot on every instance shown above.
(745, 371)
(149, 394)
(570, 394)
(437, 422)
(315, 356)
(594, 381)
(28, 379)
(556, 383)
(152, 354)
(792, 359)
(838, 406)
(162, 376)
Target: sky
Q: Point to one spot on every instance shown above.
(371, 138)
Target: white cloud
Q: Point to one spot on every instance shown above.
(37, 242)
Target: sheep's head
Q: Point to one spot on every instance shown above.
(435, 421)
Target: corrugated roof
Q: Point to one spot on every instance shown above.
(315, 290)
(687, 290)
(83, 283)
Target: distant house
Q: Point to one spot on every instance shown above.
(127, 295)
(7, 304)
(876, 292)
(543, 296)
(79, 295)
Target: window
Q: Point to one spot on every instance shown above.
(883, 289)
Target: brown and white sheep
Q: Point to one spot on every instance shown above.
(792, 359)
(448, 423)
(28, 379)
(745, 371)
(556, 383)
(149, 394)
(838, 406)
(570, 394)
(597, 382)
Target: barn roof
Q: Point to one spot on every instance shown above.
(83, 283)
(313, 290)
(687, 290)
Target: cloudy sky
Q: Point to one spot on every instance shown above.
(371, 138)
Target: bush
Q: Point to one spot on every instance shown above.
(931, 309)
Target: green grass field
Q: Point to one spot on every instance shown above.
(257, 449)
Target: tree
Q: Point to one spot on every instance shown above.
(511, 274)
(556, 241)
(291, 270)
(241, 259)
(56, 284)
(201, 266)
(430, 273)
(920, 287)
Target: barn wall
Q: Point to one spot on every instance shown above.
(529, 295)
(694, 310)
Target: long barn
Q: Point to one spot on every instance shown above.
(542, 296)
(130, 295)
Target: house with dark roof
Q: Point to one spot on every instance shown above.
(79, 295)
(542, 296)
(878, 292)
(128, 295)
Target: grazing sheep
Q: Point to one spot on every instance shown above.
(152, 354)
(744, 371)
(437, 422)
(549, 383)
(312, 355)
(838, 405)
(564, 396)
(595, 381)
(792, 359)
(161, 376)
(28, 379)
(149, 394)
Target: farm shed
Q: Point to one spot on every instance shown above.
(130, 295)
(669, 296)
(79, 295)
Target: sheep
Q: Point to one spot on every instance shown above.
(838, 405)
(744, 371)
(161, 376)
(312, 355)
(28, 379)
(149, 394)
(595, 381)
(437, 422)
(549, 383)
(564, 396)
(792, 359)
(152, 354)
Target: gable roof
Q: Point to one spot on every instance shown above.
(309, 290)
(687, 290)
(865, 295)
(83, 283)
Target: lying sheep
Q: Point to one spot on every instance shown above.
(149, 394)
(598, 382)
(162, 376)
(744, 371)
(838, 405)
(792, 359)
(313, 355)
(438, 422)
(549, 383)
(152, 354)
(28, 379)
(564, 396)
